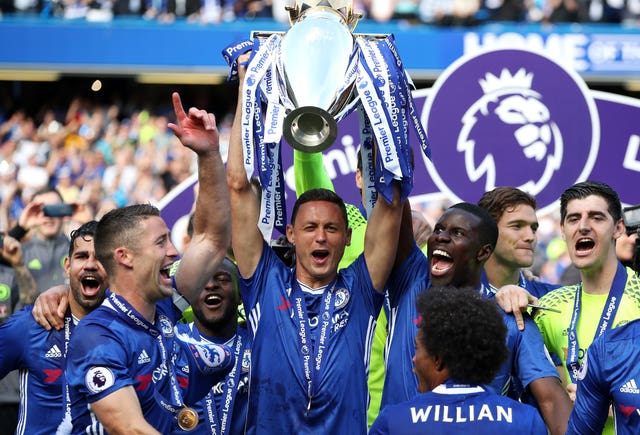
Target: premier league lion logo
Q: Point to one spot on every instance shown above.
(510, 117)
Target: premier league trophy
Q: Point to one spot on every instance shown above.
(300, 84)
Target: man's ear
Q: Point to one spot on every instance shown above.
(290, 237)
(620, 229)
(123, 256)
(484, 253)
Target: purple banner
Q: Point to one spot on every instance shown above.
(502, 117)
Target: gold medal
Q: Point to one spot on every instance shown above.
(187, 419)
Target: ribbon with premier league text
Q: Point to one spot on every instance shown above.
(386, 108)
(606, 320)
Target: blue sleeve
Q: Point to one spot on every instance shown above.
(591, 408)
(539, 289)
(269, 269)
(531, 360)
(380, 426)
(14, 333)
(412, 273)
(94, 352)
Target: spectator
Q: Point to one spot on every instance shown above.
(46, 245)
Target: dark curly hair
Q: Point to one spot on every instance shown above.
(85, 232)
(465, 330)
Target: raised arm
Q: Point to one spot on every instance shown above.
(12, 252)
(212, 221)
(381, 238)
(246, 238)
(309, 172)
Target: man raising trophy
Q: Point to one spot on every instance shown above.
(302, 83)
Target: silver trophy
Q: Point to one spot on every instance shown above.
(315, 55)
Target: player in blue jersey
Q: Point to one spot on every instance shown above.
(462, 240)
(515, 213)
(609, 376)
(40, 354)
(224, 409)
(312, 326)
(460, 346)
(123, 356)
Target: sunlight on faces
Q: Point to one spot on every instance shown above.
(87, 277)
(217, 304)
(589, 230)
(517, 240)
(154, 257)
(320, 235)
(453, 247)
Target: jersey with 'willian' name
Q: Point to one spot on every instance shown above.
(278, 395)
(451, 409)
(611, 374)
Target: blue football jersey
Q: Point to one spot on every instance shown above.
(278, 395)
(113, 348)
(224, 409)
(535, 288)
(404, 285)
(528, 357)
(459, 409)
(611, 375)
(40, 356)
(527, 360)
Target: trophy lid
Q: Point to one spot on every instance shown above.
(344, 7)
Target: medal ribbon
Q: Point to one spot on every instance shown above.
(134, 318)
(312, 352)
(219, 421)
(606, 319)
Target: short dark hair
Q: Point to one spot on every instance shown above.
(47, 190)
(120, 227)
(319, 195)
(85, 231)
(503, 199)
(587, 188)
(488, 228)
(465, 330)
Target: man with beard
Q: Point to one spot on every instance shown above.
(463, 239)
(40, 354)
(224, 409)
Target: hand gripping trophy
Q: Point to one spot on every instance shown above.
(300, 84)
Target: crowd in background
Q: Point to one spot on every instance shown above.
(105, 156)
(436, 12)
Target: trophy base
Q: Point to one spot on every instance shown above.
(310, 129)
